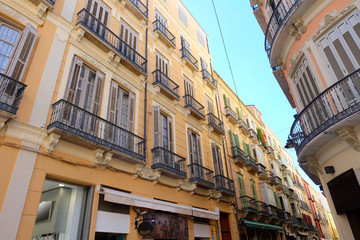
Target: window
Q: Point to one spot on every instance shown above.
(163, 136)
(130, 37)
(63, 211)
(340, 46)
(189, 87)
(209, 105)
(162, 22)
(15, 49)
(247, 149)
(241, 185)
(194, 148)
(267, 194)
(217, 160)
(253, 189)
(259, 156)
(200, 38)
(234, 139)
(162, 63)
(85, 87)
(203, 64)
(101, 13)
(182, 16)
(226, 101)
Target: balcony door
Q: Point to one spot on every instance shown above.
(129, 36)
(100, 14)
(203, 64)
(163, 136)
(84, 90)
(161, 23)
(209, 105)
(121, 114)
(217, 160)
(162, 63)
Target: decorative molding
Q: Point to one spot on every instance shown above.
(13, 13)
(297, 28)
(2, 122)
(146, 173)
(313, 165)
(294, 61)
(348, 135)
(186, 186)
(41, 9)
(110, 57)
(78, 34)
(91, 60)
(51, 141)
(97, 156)
(106, 160)
(332, 18)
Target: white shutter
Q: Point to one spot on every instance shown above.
(170, 134)
(286, 204)
(157, 127)
(73, 80)
(264, 192)
(271, 196)
(22, 53)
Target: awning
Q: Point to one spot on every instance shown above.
(253, 224)
(111, 195)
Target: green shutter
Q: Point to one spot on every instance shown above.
(225, 101)
(245, 149)
(232, 138)
(237, 142)
(241, 185)
(238, 113)
(277, 199)
(248, 150)
(253, 188)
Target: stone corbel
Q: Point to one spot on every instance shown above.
(156, 36)
(120, 3)
(79, 34)
(51, 141)
(281, 63)
(97, 156)
(106, 160)
(348, 135)
(146, 173)
(292, 30)
(41, 9)
(183, 62)
(186, 186)
(110, 57)
(300, 25)
(313, 165)
(142, 79)
(143, 24)
(117, 60)
(2, 122)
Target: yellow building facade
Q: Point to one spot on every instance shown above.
(114, 125)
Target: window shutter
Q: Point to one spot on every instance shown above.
(225, 100)
(264, 193)
(232, 138)
(73, 80)
(277, 199)
(98, 93)
(332, 60)
(253, 187)
(199, 148)
(22, 53)
(237, 142)
(271, 196)
(248, 150)
(215, 159)
(241, 185)
(238, 113)
(190, 146)
(131, 111)
(157, 127)
(112, 102)
(245, 149)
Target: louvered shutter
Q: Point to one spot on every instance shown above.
(170, 134)
(199, 149)
(191, 152)
(98, 93)
(245, 149)
(131, 111)
(112, 102)
(241, 185)
(271, 196)
(253, 187)
(225, 100)
(286, 204)
(232, 140)
(22, 53)
(237, 142)
(215, 159)
(73, 80)
(248, 150)
(157, 127)
(323, 43)
(277, 199)
(238, 113)
(264, 193)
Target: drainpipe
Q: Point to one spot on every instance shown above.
(146, 89)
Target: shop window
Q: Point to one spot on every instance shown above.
(63, 211)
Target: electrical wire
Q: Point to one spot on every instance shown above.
(223, 41)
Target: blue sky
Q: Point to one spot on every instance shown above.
(254, 80)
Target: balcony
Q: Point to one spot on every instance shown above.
(224, 185)
(104, 38)
(212, 83)
(287, 217)
(239, 156)
(251, 165)
(49, 3)
(271, 152)
(249, 205)
(281, 215)
(164, 34)
(136, 7)
(262, 172)
(190, 60)
(271, 178)
(90, 131)
(273, 214)
(216, 124)
(286, 191)
(201, 175)
(263, 209)
(243, 127)
(196, 109)
(231, 115)
(168, 87)
(338, 102)
(253, 136)
(11, 93)
(281, 14)
(168, 163)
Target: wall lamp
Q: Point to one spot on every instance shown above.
(329, 169)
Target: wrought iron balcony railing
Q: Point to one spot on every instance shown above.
(168, 161)
(224, 184)
(190, 102)
(252, 164)
(11, 93)
(333, 105)
(206, 75)
(69, 118)
(286, 190)
(248, 204)
(141, 7)
(272, 210)
(166, 83)
(200, 174)
(239, 155)
(98, 29)
(271, 177)
(243, 125)
(52, 2)
(159, 26)
(280, 14)
(263, 209)
(215, 122)
(185, 53)
(230, 113)
(281, 214)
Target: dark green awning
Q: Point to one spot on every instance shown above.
(254, 224)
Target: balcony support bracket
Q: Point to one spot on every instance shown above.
(79, 34)
(348, 135)
(145, 173)
(2, 122)
(50, 141)
(41, 9)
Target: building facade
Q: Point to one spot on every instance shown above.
(313, 48)
(115, 126)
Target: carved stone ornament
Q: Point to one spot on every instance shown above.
(41, 9)
(79, 34)
(51, 141)
(97, 156)
(332, 18)
(146, 173)
(2, 122)
(294, 60)
(297, 28)
(348, 135)
(13, 13)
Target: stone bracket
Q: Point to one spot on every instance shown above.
(51, 141)
(348, 135)
(102, 159)
(41, 9)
